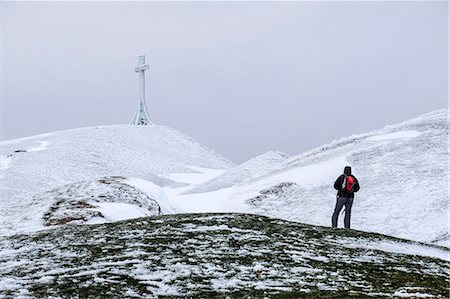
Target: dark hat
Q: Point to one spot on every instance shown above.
(347, 170)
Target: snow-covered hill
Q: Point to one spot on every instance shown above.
(98, 201)
(255, 167)
(218, 256)
(34, 165)
(107, 174)
(402, 169)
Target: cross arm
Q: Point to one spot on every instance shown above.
(141, 68)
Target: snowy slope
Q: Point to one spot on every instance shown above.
(34, 165)
(402, 169)
(116, 173)
(255, 167)
(96, 201)
(218, 256)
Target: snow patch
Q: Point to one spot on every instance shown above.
(395, 135)
(5, 162)
(412, 292)
(405, 248)
(252, 168)
(116, 211)
(197, 176)
(155, 192)
(41, 147)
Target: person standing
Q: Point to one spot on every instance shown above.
(346, 185)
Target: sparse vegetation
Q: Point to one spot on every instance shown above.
(75, 203)
(214, 256)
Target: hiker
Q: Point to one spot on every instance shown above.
(347, 185)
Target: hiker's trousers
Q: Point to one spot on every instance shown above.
(340, 202)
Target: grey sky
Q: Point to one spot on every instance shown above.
(241, 77)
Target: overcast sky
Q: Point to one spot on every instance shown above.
(240, 77)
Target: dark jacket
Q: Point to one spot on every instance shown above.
(345, 193)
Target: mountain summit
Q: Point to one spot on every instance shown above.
(38, 164)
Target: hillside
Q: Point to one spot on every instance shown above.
(252, 168)
(402, 169)
(35, 165)
(218, 256)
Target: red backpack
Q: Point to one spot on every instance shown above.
(348, 183)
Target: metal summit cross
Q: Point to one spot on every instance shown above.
(141, 117)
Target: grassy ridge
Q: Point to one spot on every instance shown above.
(213, 256)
